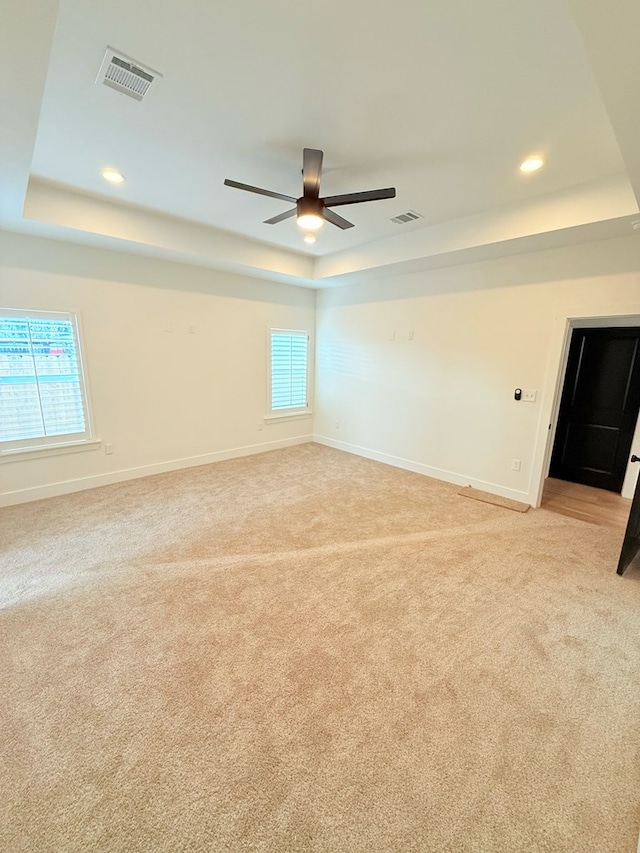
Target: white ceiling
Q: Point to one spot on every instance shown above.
(440, 100)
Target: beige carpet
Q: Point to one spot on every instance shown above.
(310, 651)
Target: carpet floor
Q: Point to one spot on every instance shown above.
(310, 651)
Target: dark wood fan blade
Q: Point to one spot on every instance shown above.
(356, 198)
(334, 219)
(257, 190)
(311, 171)
(281, 217)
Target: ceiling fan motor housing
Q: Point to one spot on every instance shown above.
(307, 206)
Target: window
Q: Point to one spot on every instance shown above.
(289, 370)
(43, 399)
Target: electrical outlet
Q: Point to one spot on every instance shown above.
(528, 395)
(337, 424)
(516, 464)
(108, 449)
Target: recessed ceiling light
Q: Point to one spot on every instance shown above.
(113, 176)
(531, 164)
(309, 238)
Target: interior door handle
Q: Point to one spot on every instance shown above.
(635, 458)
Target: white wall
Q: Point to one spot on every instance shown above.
(419, 370)
(162, 398)
(437, 398)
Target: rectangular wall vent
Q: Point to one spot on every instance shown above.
(126, 75)
(409, 216)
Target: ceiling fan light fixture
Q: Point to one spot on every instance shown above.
(309, 213)
(310, 221)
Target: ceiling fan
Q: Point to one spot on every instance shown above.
(311, 210)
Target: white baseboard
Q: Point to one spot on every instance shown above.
(65, 487)
(427, 470)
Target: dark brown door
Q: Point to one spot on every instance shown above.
(631, 542)
(599, 408)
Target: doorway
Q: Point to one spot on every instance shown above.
(550, 420)
(598, 408)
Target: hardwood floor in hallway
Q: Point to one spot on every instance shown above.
(596, 506)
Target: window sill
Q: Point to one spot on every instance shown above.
(288, 416)
(41, 450)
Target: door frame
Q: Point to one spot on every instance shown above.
(563, 327)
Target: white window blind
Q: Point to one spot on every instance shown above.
(42, 391)
(289, 367)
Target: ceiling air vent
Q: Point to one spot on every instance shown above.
(126, 75)
(409, 216)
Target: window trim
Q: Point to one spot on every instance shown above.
(11, 451)
(42, 450)
(295, 412)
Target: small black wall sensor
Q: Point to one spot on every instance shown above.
(517, 394)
